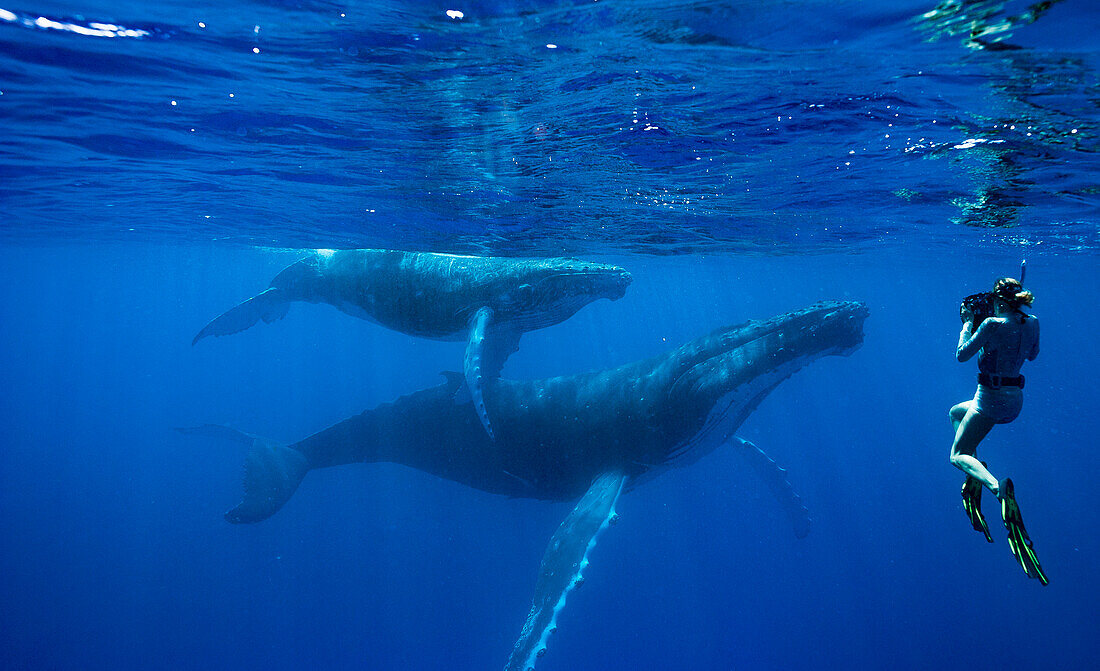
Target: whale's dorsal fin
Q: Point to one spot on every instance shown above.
(456, 386)
(489, 345)
(563, 564)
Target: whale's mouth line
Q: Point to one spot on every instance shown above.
(604, 283)
(608, 273)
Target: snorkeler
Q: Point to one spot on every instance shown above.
(997, 329)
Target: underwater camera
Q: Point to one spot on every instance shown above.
(981, 305)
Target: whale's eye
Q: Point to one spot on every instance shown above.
(523, 293)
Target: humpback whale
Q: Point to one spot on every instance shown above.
(487, 301)
(585, 438)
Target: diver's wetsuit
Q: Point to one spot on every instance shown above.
(1005, 342)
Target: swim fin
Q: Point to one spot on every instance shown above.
(1018, 539)
(972, 504)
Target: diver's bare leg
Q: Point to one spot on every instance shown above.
(957, 413)
(969, 431)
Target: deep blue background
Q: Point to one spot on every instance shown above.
(116, 555)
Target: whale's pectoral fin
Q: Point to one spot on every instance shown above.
(775, 478)
(272, 472)
(270, 305)
(488, 347)
(473, 365)
(563, 565)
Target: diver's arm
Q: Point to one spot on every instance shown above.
(969, 344)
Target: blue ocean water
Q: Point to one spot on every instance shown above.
(160, 163)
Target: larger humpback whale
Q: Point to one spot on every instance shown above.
(487, 301)
(584, 438)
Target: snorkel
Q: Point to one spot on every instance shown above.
(1023, 275)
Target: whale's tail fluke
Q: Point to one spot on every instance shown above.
(272, 472)
(270, 305)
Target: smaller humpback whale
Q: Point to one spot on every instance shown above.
(487, 301)
(584, 438)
